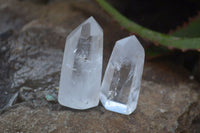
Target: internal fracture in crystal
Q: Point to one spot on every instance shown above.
(82, 67)
(122, 80)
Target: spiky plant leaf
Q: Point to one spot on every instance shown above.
(169, 41)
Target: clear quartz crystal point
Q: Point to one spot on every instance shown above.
(82, 67)
(121, 83)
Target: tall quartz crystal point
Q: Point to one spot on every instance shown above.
(121, 84)
(82, 67)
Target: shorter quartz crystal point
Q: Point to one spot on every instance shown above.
(121, 83)
(82, 67)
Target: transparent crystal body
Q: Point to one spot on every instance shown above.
(121, 83)
(82, 67)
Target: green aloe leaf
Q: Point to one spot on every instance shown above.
(191, 30)
(170, 41)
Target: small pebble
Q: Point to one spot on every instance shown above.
(162, 110)
(191, 77)
(50, 98)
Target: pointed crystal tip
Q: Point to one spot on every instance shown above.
(82, 67)
(121, 83)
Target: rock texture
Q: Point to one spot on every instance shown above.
(32, 38)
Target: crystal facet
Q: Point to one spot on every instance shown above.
(82, 67)
(121, 83)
